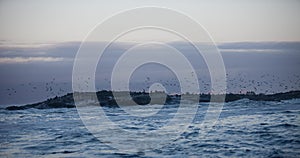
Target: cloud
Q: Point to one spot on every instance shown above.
(280, 46)
(251, 50)
(66, 51)
(56, 50)
(9, 60)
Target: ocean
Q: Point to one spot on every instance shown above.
(245, 128)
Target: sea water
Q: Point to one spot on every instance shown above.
(244, 129)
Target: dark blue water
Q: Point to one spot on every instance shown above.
(245, 129)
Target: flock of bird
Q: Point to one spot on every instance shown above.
(239, 83)
(51, 88)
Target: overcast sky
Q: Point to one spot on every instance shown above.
(31, 74)
(259, 41)
(45, 21)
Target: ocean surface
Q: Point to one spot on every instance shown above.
(245, 129)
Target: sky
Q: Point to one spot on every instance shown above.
(34, 74)
(44, 21)
(259, 41)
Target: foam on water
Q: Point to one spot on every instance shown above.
(245, 128)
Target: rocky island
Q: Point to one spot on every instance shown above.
(106, 98)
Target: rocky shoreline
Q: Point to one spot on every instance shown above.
(106, 98)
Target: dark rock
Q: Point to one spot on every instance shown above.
(15, 108)
(106, 98)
